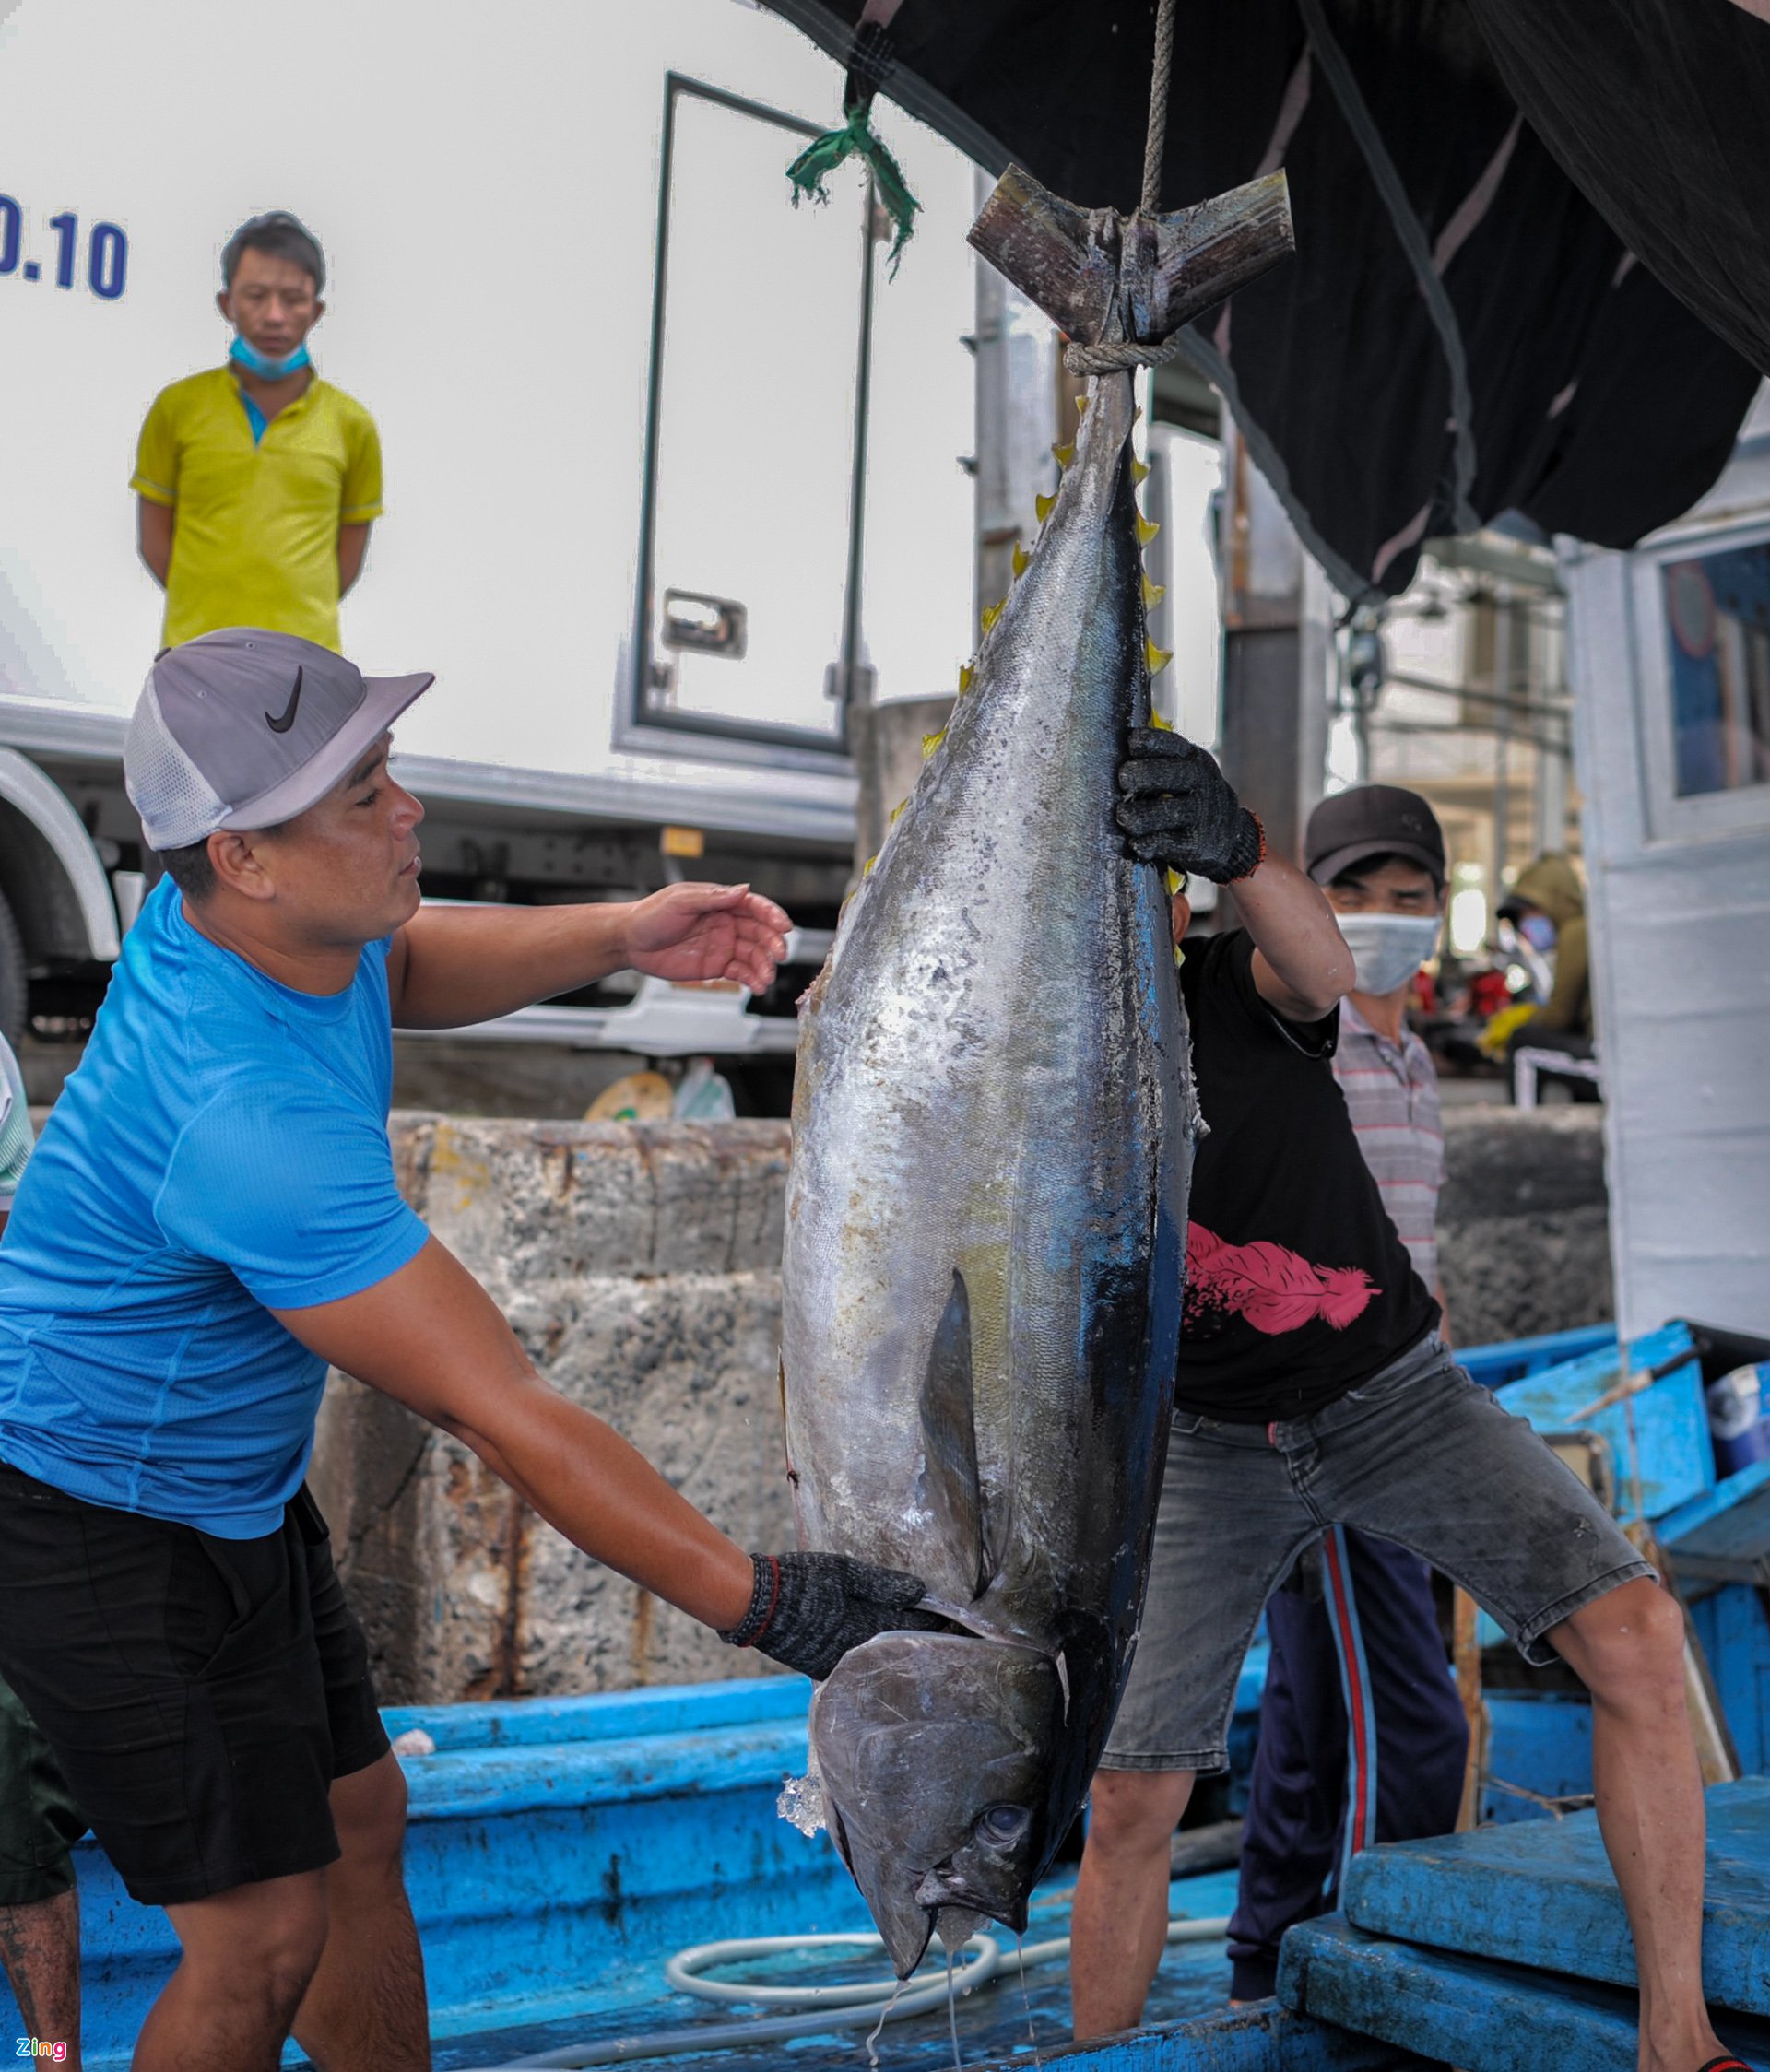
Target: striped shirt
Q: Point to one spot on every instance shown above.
(1391, 1093)
(15, 1127)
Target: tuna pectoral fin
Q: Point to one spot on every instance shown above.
(953, 1489)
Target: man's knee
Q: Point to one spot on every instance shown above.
(1627, 1644)
(1134, 1812)
(270, 1936)
(369, 1811)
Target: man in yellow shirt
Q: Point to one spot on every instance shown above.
(258, 481)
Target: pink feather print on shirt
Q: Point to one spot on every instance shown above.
(1274, 1289)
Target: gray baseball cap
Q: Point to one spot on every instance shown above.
(245, 729)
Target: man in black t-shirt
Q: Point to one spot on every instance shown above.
(1298, 1286)
(1313, 1390)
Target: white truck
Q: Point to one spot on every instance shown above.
(673, 474)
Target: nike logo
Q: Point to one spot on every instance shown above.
(288, 719)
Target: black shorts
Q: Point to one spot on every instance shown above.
(38, 1821)
(200, 1694)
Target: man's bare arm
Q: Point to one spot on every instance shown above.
(353, 544)
(1302, 965)
(154, 537)
(430, 1337)
(455, 966)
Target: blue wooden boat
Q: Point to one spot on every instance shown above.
(561, 1851)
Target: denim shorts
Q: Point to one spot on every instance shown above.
(1419, 1454)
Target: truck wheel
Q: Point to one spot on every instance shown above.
(14, 980)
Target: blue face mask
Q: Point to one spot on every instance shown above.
(1538, 930)
(268, 370)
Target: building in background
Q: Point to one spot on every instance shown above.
(1472, 711)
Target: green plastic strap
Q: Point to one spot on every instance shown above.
(855, 139)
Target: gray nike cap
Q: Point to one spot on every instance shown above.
(245, 729)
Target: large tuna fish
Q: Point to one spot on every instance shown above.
(993, 1126)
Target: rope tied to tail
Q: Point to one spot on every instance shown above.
(1124, 355)
(1127, 354)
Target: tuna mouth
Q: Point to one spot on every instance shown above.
(942, 1888)
(904, 1926)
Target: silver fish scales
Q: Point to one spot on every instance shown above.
(993, 1126)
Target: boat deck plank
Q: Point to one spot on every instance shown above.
(1191, 2028)
(1540, 1893)
(1477, 2014)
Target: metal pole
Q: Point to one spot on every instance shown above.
(857, 490)
(1506, 612)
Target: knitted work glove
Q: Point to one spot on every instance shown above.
(1179, 809)
(807, 1611)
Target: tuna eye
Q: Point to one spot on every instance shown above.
(1002, 1826)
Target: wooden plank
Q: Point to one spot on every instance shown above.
(1730, 1522)
(1509, 1359)
(1658, 1438)
(1539, 1750)
(1466, 1653)
(1735, 1633)
(1265, 2038)
(1540, 1892)
(1481, 2017)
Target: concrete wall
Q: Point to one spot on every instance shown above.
(1523, 1222)
(640, 1268)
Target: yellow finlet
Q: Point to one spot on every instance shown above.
(1139, 471)
(896, 813)
(965, 674)
(1161, 725)
(1021, 559)
(1175, 880)
(1044, 506)
(1153, 593)
(867, 868)
(1081, 404)
(1156, 659)
(1064, 456)
(991, 614)
(930, 742)
(1147, 529)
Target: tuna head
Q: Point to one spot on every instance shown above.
(937, 1753)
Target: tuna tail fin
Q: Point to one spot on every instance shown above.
(954, 1485)
(1097, 275)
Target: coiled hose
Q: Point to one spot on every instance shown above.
(816, 2008)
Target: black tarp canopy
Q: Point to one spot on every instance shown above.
(1533, 265)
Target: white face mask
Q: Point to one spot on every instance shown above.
(1387, 948)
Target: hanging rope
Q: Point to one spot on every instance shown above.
(1156, 140)
(1127, 353)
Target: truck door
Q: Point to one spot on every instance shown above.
(747, 612)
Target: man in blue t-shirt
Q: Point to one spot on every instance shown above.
(210, 1218)
(39, 1907)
